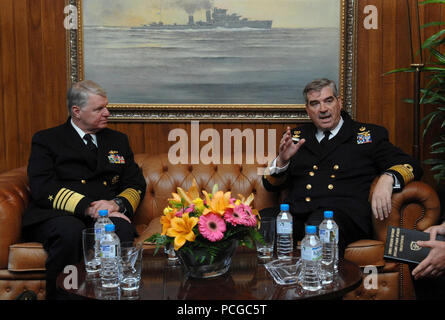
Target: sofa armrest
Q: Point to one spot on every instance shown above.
(14, 198)
(417, 207)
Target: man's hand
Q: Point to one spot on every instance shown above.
(287, 148)
(95, 206)
(381, 197)
(434, 264)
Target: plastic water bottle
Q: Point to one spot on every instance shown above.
(99, 229)
(110, 258)
(311, 253)
(284, 233)
(328, 233)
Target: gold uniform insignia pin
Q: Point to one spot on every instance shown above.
(115, 180)
(296, 136)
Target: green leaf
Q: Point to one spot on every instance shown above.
(400, 70)
(432, 1)
(438, 55)
(432, 41)
(434, 161)
(432, 24)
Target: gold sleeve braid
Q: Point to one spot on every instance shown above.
(67, 200)
(273, 180)
(133, 197)
(405, 170)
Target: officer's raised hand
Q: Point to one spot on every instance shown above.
(287, 148)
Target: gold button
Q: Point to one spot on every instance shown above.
(333, 176)
(330, 187)
(308, 199)
(105, 183)
(83, 181)
(311, 174)
(308, 187)
(315, 167)
(336, 167)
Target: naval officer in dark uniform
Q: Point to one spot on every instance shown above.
(330, 164)
(75, 170)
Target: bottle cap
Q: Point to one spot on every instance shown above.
(103, 213)
(284, 207)
(328, 214)
(109, 227)
(311, 229)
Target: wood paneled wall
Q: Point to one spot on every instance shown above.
(33, 79)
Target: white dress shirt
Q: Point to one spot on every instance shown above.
(82, 134)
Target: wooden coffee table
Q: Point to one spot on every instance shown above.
(247, 279)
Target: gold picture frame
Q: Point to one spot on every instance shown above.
(292, 113)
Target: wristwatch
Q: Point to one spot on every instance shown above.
(396, 185)
(121, 205)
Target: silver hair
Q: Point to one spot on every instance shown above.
(318, 85)
(79, 93)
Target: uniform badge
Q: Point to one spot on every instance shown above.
(115, 180)
(364, 136)
(296, 136)
(115, 158)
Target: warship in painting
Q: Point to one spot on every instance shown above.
(218, 19)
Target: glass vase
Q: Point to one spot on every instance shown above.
(196, 267)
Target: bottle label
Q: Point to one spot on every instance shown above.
(327, 236)
(284, 227)
(98, 233)
(311, 253)
(108, 251)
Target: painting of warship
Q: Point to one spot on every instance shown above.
(218, 19)
(210, 52)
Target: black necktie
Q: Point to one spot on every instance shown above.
(90, 144)
(325, 139)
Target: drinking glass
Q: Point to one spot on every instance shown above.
(90, 251)
(131, 260)
(267, 230)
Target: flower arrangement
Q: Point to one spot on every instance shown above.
(207, 224)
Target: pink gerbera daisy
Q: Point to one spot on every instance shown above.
(250, 219)
(235, 216)
(212, 227)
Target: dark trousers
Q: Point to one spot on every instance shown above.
(62, 239)
(429, 288)
(348, 229)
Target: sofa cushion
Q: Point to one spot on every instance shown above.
(28, 256)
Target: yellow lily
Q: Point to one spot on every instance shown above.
(176, 200)
(182, 230)
(169, 214)
(219, 203)
(189, 195)
(246, 201)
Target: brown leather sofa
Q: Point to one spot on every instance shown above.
(22, 265)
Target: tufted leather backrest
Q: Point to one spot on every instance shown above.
(163, 178)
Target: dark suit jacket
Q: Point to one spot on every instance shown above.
(65, 177)
(340, 174)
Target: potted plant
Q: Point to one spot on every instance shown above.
(433, 93)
